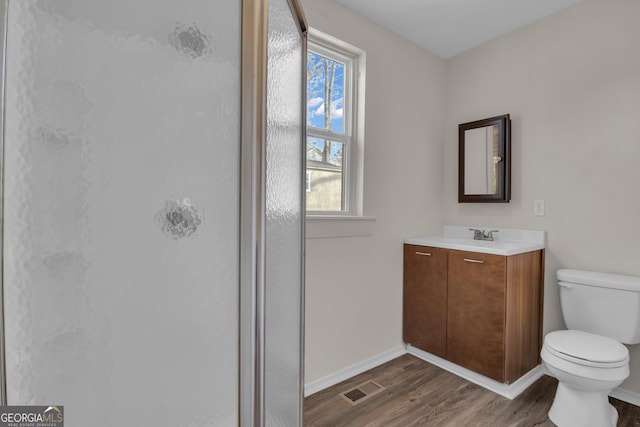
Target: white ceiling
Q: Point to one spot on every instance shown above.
(449, 27)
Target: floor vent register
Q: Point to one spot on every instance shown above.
(362, 392)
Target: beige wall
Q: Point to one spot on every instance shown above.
(571, 83)
(354, 285)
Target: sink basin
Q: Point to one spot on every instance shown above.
(507, 241)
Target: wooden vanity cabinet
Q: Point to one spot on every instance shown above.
(425, 298)
(493, 310)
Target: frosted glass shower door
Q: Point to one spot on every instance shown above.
(284, 217)
(121, 210)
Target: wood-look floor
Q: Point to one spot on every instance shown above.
(420, 394)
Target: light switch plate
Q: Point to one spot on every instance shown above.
(538, 207)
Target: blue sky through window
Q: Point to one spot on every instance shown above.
(325, 79)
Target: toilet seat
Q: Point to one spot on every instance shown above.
(586, 349)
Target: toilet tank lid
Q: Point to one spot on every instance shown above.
(603, 280)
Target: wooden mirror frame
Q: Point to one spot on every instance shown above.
(503, 169)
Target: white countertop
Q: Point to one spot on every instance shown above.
(507, 241)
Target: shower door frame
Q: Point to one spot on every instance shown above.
(4, 16)
(252, 213)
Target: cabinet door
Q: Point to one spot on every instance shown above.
(476, 314)
(425, 299)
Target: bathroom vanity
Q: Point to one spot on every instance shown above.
(476, 303)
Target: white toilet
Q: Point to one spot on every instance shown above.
(601, 311)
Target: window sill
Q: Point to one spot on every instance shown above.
(328, 226)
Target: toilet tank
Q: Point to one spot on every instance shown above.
(601, 303)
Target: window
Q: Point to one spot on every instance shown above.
(335, 83)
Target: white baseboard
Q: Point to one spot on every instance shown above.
(625, 396)
(510, 391)
(353, 370)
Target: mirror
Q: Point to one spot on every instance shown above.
(484, 160)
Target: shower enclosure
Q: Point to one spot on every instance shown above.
(152, 210)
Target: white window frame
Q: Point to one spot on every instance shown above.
(353, 137)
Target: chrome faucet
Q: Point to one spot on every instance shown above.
(477, 234)
(483, 235)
